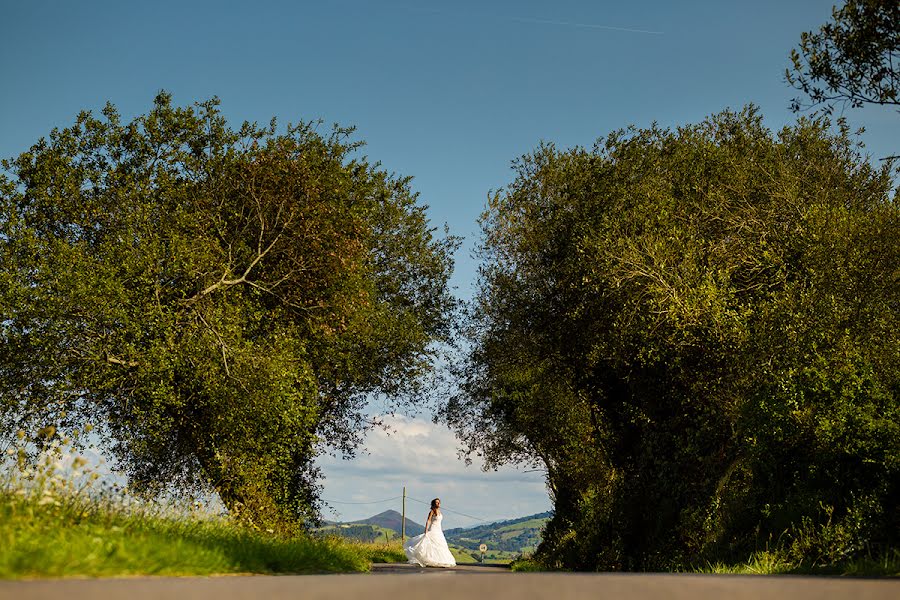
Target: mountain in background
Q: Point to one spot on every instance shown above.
(379, 528)
(391, 519)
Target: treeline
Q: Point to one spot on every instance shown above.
(696, 332)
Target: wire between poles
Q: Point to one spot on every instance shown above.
(456, 512)
(450, 510)
(374, 502)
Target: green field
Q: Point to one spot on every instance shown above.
(496, 557)
(505, 540)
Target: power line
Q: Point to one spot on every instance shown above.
(450, 510)
(456, 512)
(373, 502)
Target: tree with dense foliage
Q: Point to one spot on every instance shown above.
(219, 303)
(696, 332)
(853, 60)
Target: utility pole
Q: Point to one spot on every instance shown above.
(403, 519)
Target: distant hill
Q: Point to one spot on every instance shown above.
(391, 519)
(505, 539)
(516, 535)
(381, 527)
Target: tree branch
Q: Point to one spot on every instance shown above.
(113, 360)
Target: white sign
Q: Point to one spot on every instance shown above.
(483, 548)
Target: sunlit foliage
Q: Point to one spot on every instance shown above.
(219, 302)
(696, 332)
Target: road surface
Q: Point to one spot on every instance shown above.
(402, 582)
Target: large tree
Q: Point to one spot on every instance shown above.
(853, 60)
(695, 332)
(220, 303)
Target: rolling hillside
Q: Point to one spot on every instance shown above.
(505, 539)
(516, 535)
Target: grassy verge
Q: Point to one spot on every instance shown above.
(527, 565)
(59, 519)
(40, 538)
(769, 563)
(376, 552)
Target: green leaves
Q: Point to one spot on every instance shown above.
(695, 333)
(852, 60)
(223, 301)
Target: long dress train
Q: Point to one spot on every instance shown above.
(430, 548)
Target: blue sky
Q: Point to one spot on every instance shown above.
(448, 92)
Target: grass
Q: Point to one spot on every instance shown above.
(462, 555)
(770, 563)
(378, 552)
(56, 521)
(53, 541)
(494, 557)
(527, 565)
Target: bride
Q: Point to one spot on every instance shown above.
(430, 549)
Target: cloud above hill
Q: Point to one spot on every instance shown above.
(423, 456)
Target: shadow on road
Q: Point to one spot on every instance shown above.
(404, 568)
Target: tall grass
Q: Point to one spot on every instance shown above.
(528, 565)
(769, 563)
(772, 563)
(57, 520)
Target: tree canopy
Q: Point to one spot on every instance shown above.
(853, 60)
(695, 332)
(220, 303)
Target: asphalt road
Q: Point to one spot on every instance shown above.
(398, 582)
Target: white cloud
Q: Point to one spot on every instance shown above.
(423, 456)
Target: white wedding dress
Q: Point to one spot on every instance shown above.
(430, 549)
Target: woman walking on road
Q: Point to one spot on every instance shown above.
(430, 548)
